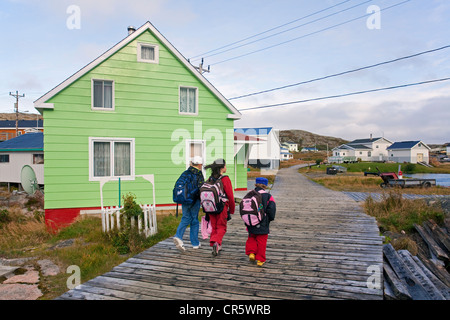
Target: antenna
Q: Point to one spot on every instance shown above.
(28, 180)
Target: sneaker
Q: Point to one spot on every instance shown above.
(260, 263)
(179, 244)
(216, 248)
(196, 247)
(251, 257)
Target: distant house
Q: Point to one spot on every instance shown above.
(8, 128)
(409, 151)
(291, 146)
(285, 154)
(372, 149)
(26, 149)
(448, 149)
(140, 108)
(266, 154)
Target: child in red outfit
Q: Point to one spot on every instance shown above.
(219, 221)
(256, 244)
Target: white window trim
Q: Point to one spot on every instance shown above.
(111, 141)
(113, 95)
(154, 46)
(196, 101)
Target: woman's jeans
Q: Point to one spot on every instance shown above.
(190, 217)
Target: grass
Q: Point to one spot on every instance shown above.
(92, 250)
(396, 214)
(384, 167)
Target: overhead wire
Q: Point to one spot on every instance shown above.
(269, 30)
(341, 73)
(307, 35)
(346, 94)
(290, 29)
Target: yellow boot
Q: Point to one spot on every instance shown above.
(260, 263)
(251, 257)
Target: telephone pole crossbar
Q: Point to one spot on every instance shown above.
(16, 108)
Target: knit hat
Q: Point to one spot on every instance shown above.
(263, 181)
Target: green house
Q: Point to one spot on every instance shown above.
(140, 108)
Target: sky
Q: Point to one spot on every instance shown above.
(287, 42)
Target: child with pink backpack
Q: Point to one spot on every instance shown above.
(257, 210)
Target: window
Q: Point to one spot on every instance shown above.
(147, 52)
(188, 101)
(111, 157)
(4, 158)
(38, 158)
(103, 94)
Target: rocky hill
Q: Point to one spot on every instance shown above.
(308, 139)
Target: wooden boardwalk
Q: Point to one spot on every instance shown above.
(320, 247)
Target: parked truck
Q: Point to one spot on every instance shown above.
(392, 179)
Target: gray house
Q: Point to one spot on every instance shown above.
(409, 151)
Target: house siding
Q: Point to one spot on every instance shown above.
(146, 109)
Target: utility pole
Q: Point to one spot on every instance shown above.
(200, 67)
(16, 108)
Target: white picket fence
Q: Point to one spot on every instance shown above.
(112, 218)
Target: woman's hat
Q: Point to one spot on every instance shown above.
(261, 180)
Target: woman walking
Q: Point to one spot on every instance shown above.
(219, 221)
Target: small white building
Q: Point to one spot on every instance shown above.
(372, 149)
(267, 153)
(409, 151)
(448, 148)
(285, 154)
(291, 146)
(26, 149)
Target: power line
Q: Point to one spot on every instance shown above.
(347, 94)
(290, 29)
(340, 73)
(309, 34)
(269, 30)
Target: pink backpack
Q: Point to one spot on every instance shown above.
(251, 208)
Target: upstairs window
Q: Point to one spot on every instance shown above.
(103, 94)
(147, 52)
(188, 101)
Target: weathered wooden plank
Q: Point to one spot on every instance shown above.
(426, 283)
(398, 288)
(434, 247)
(439, 235)
(445, 290)
(413, 286)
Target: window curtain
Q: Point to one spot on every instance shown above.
(147, 53)
(122, 161)
(191, 104)
(183, 100)
(107, 94)
(98, 94)
(102, 159)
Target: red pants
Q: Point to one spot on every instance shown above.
(256, 244)
(219, 226)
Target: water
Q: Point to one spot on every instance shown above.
(442, 179)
